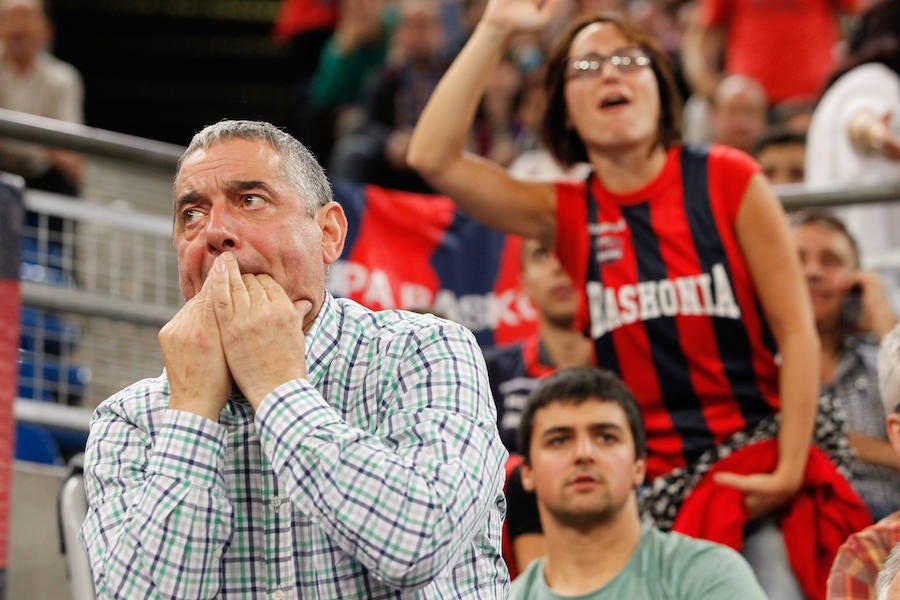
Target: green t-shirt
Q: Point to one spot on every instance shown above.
(666, 566)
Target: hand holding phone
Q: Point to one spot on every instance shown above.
(851, 307)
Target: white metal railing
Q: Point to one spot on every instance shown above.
(118, 268)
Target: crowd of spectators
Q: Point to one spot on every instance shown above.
(813, 96)
(740, 84)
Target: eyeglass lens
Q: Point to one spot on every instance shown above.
(625, 59)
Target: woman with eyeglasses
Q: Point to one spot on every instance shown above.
(692, 289)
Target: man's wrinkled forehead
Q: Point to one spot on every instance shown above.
(192, 162)
(31, 5)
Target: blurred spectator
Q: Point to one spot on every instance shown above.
(788, 47)
(469, 14)
(781, 153)
(514, 371)
(852, 313)
(497, 132)
(333, 101)
(854, 137)
(793, 115)
(304, 25)
(738, 112)
(375, 152)
(33, 81)
(862, 556)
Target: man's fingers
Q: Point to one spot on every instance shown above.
(303, 308)
(240, 297)
(221, 288)
(255, 290)
(273, 289)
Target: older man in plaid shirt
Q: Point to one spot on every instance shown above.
(296, 445)
(862, 556)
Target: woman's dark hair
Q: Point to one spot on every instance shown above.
(562, 140)
(874, 38)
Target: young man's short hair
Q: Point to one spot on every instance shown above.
(578, 385)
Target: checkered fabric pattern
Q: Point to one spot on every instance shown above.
(380, 477)
(860, 558)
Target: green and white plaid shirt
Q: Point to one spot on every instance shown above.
(380, 477)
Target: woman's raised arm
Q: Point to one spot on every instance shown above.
(481, 188)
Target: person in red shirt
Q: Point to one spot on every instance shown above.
(789, 47)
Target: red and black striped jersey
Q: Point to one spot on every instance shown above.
(669, 302)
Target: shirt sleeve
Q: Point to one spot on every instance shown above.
(854, 570)
(407, 499)
(572, 242)
(730, 171)
(158, 515)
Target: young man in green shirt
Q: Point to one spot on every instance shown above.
(584, 445)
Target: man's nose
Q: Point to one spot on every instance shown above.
(584, 447)
(811, 268)
(221, 230)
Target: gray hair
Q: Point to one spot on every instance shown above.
(889, 370)
(888, 573)
(300, 168)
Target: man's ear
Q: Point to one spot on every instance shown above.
(893, 430)
(333, 223)
(640, 472)
(527, 479)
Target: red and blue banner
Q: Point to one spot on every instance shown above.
(417, 251)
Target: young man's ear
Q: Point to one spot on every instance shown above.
(640, 472)
(333, 223)
(527, 480)
(893, 430)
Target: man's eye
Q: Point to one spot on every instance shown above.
(253, 200)
(190, 215)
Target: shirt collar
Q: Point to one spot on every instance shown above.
(322, 338)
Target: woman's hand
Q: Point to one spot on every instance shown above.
(763, 492)
(519, 15)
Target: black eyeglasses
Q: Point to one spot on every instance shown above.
(623, 59)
